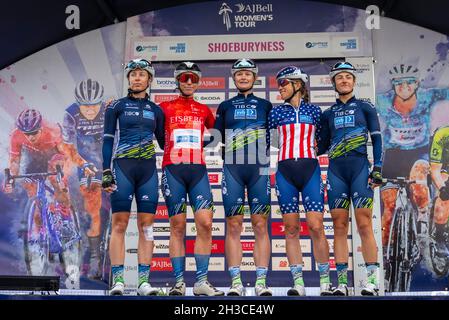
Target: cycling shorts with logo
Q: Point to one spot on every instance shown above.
(347, 178)
(178, 180)
(256, 179)
(135, 177)
(295, 176)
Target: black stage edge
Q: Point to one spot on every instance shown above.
(31, 283)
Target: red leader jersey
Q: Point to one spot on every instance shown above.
(185, 120)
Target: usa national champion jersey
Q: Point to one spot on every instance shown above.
(297, 129)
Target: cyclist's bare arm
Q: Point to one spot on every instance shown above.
(71, 151)
(435, 171)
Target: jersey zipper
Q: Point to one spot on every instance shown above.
(141, 130)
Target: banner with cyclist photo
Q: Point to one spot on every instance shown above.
(54, 217)
(412, 90)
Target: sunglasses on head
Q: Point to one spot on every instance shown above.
(409, 81)
(283, 82)
(344, 64)
(184, 77)
(138, 64)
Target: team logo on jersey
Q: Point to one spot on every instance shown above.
(240, 114)
(305, 119)
(148, 114)
(344, 122)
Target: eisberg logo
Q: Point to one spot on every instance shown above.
(246, 15)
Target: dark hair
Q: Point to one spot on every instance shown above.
(304, 92)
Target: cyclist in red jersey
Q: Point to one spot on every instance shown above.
(37, 146)
(184, 172)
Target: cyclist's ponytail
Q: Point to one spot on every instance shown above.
(304, 92)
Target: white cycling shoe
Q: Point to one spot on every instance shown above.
(118, 289)
(145, 289)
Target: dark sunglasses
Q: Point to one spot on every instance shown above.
(31, 133)
(184, 77)
(283, 82)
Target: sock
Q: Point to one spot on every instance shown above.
(372, 270)
(296, 271)
(342, 273)
(144, 273)
(235, 275)
(117, 273)
(261, 273)
(202, 266)
(179, 265)
(439, 232)
(323, 268)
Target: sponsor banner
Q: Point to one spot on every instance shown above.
(214, 162)
(332, 264)
(259, 46)
(272, 83)
(212, 83)
(323, 160)
(247, 229)
(161, 212)
(281, 264)
(278, 228)
(218, 246)
(247, 245)
(161, 264)
(278, 245)
(364, 88)
(215, 178)
(161, 246)
(248, 264)
(320, 81)
(346, 44)
(163, 83)
(275, 98)
(218, 229)
(161, 229)
(215, 264)
(275, 210)
(210, 98)
(322, 96)
(259, 84)
(158, 98)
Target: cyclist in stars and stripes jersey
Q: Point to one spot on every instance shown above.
(297, 124)
(345, 127)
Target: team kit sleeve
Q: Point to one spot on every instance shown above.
(210, 120)
(160, 128)
(110, 125)
(272, 133)
(372, 120)
(323, 139)
(69, 129)
(436, 149)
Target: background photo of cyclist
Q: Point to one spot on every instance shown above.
(405, 115)
(439, 166)
(83, 133)
(37, 146)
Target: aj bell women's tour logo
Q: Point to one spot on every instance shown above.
(246, 15)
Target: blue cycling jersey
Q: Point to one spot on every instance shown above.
(345, 128)
(242, 122)
(86, 135)
(411, 131)
(139, 121)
